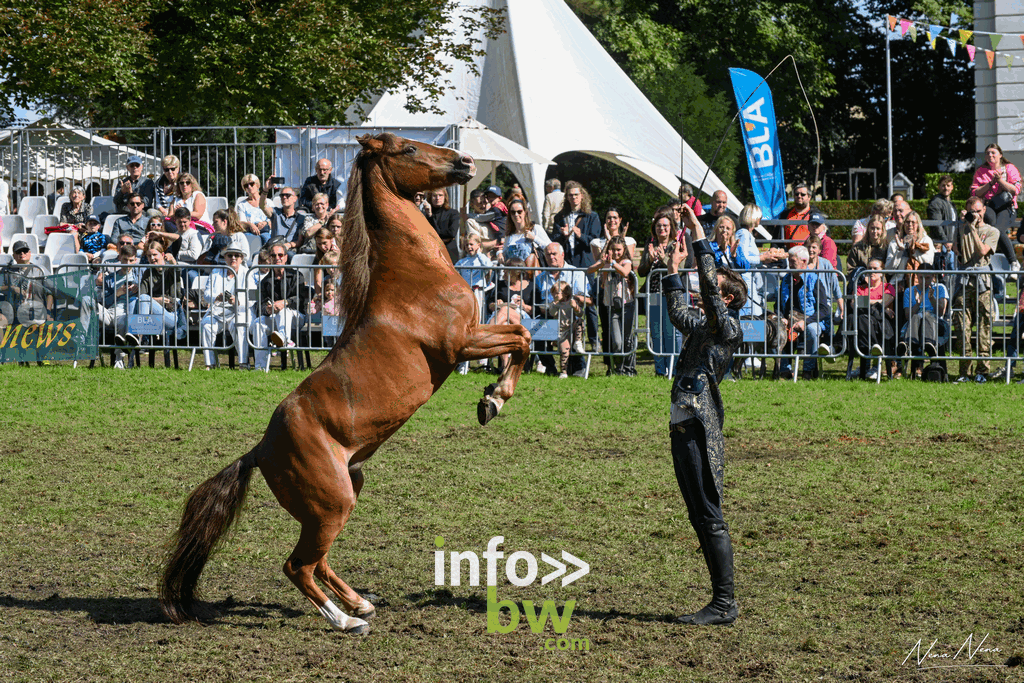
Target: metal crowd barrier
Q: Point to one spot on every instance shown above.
(851, 314)
(122, 311)
(200, 312)
(613, 322)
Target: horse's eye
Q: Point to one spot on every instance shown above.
(411, 149)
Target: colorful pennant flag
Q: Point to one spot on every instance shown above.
(965, 35)
(904, 25)
(953, 19)
(892, 22)
(995, 38)
(952, 46)
(1009, 61)
(1022, 38)
(970, 52)
(990, 56)
(933, 33)
(913, 33)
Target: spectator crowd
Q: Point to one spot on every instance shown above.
(906, 296)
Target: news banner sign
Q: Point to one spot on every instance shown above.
(31, 329)
(760, 140)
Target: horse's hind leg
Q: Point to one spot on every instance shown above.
(322, 521)
(352, 601)
(487, 341)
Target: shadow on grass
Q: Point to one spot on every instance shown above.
(478, 604)
(147, 610)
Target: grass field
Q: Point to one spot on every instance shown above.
(864, 518)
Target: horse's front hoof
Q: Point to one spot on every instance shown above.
(358, 628)
(486, 410)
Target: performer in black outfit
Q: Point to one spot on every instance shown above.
(698, 447)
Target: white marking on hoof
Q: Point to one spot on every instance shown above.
(498, 402)
(340, 621)
(366, 609)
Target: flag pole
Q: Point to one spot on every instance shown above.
(888, 99)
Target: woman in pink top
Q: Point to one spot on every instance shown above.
(998, 182)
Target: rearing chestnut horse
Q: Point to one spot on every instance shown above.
(411, 318)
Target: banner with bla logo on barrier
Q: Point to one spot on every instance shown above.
(47, 317)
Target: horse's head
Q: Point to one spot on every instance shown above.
(410, 166)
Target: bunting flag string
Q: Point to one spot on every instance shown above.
(900, 27)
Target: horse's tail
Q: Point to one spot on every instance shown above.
(209, 512)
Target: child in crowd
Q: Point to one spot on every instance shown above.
(92, 242)
(570, 322)
(331, 257)
(474, 276)
(470, 267)
(331, 307)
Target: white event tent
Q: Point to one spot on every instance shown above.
(547, 84)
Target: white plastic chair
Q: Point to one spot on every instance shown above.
(11, 226)
(59, 244)
(30, 207)
(42, 261)
(103, 204)
(214, 204)
(61, 201)
(27, 238)
(40, 223)
(108, 224)
(255, 243)
(76, 259)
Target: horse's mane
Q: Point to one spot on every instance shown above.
(355, 242)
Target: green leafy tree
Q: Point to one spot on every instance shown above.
(223, 62)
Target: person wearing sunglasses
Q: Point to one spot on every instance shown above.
(286, 223)
(166, 184)
(800, 211)
(134, 183)
(253, 209)
(134, 223)
(190, 195)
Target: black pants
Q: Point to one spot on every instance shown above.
(693, 473)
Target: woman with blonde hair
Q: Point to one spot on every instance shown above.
(167, 183)
(190, 195)
(882, 208)
(910, 248)
(253, 209)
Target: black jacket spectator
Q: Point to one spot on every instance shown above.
(577, 250)
(288, 287)
(311, 186)
(446, 223)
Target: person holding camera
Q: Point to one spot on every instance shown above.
(972, 297)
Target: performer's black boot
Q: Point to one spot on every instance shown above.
(717, 547)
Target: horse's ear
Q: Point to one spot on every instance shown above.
(370, 143)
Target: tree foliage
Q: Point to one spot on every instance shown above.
(223, 62)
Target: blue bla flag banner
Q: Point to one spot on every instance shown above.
(760, 140)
